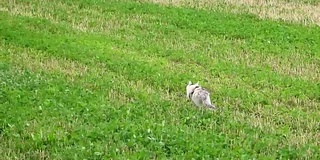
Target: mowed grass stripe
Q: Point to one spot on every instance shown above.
(236, 50)
(24, 59)
(264, 35)
(97, 45)
(230, 133)
(303, 12)
(264, 32)
(96, 48)
(113, 123)
(37, 61)
(244, 98)
(102, 126)
(69, 88)
(238, 95)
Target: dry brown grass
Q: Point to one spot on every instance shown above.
(35, 61)
(293, 65)
(8, 151)
(280, 115)
(47, 10)
(263, 120)
(71, 69)
(283, 65)
(273, 9)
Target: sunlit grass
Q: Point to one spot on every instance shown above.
(296, 11)
(88, 79)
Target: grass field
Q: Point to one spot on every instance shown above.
(106, 79)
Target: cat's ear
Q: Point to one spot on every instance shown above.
(189, 83)
(197, 83)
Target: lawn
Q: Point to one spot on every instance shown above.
(106, 79)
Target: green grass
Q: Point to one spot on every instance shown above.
(99, 80)
(312, 2)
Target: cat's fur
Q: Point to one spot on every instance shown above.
(199, 95)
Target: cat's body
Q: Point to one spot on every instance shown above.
(199, 95)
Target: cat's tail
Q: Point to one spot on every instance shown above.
(208, 104)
